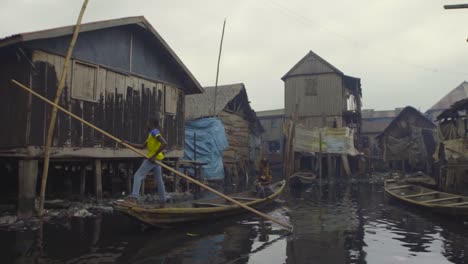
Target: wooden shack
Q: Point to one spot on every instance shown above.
(243, 129)
(122, 72)
(451, 155)
(408, 142)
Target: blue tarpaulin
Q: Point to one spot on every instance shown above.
(211, 142)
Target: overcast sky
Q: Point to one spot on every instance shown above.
(405, 52)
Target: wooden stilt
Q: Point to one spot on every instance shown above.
(98, 179)
(177, 179)
(187, 186)
(27, 177)
(82, 180)
(329, 166)
(129, 178)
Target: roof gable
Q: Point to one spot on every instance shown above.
(202, 105)
(139, 21)
(460, 92)
(311, 64)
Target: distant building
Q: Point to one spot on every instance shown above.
(409, 141)
(375, 122)
(272, 137)
(459, 93)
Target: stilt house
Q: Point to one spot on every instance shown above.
(122, 72)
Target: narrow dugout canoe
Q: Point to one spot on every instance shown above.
(198, 210)
(439, 202)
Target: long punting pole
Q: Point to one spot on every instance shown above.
(53, 115)
(217, 69)
(459, 6)
(248, 208)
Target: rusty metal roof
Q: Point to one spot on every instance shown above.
(460, 92)
(68, 30)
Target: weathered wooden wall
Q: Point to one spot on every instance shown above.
(118, 103)
(13, 101)
(307, 97)
(237, 132)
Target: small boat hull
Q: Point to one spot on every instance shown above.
(435, 201)
(300, 180)
(199, 210)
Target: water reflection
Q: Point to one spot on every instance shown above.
(341, 224)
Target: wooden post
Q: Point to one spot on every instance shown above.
(320, 157)
(82, 180)
(129, 178)
(98, 179)
(187, 186)
(27, 177)
(329, 166)
(176, 179)
(53, 115)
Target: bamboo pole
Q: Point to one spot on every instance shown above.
(53, 115)
(217, 68)
(157, 162)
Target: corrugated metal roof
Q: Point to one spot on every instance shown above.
(304, 69)
(68, 30)
(268, 113)
(460, 92)
(202, 105)
(371, 113)
(374, 127)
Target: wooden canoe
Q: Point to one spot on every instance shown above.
(198, 210)
(439, 202)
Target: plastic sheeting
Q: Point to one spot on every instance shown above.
(333, 140)
(211, 142)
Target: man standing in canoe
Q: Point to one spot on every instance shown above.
(155, 143)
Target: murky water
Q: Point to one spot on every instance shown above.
(343, 224)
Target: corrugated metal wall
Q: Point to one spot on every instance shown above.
(330, 98)
(120, 104)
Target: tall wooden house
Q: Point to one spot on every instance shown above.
(122, 72)
(317, 94)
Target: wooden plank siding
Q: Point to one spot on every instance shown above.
(330, 96)
(14, 110)
(118, 103)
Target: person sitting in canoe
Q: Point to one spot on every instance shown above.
(155, 143)
(264, 179)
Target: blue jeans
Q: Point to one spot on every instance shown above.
(140, 175)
